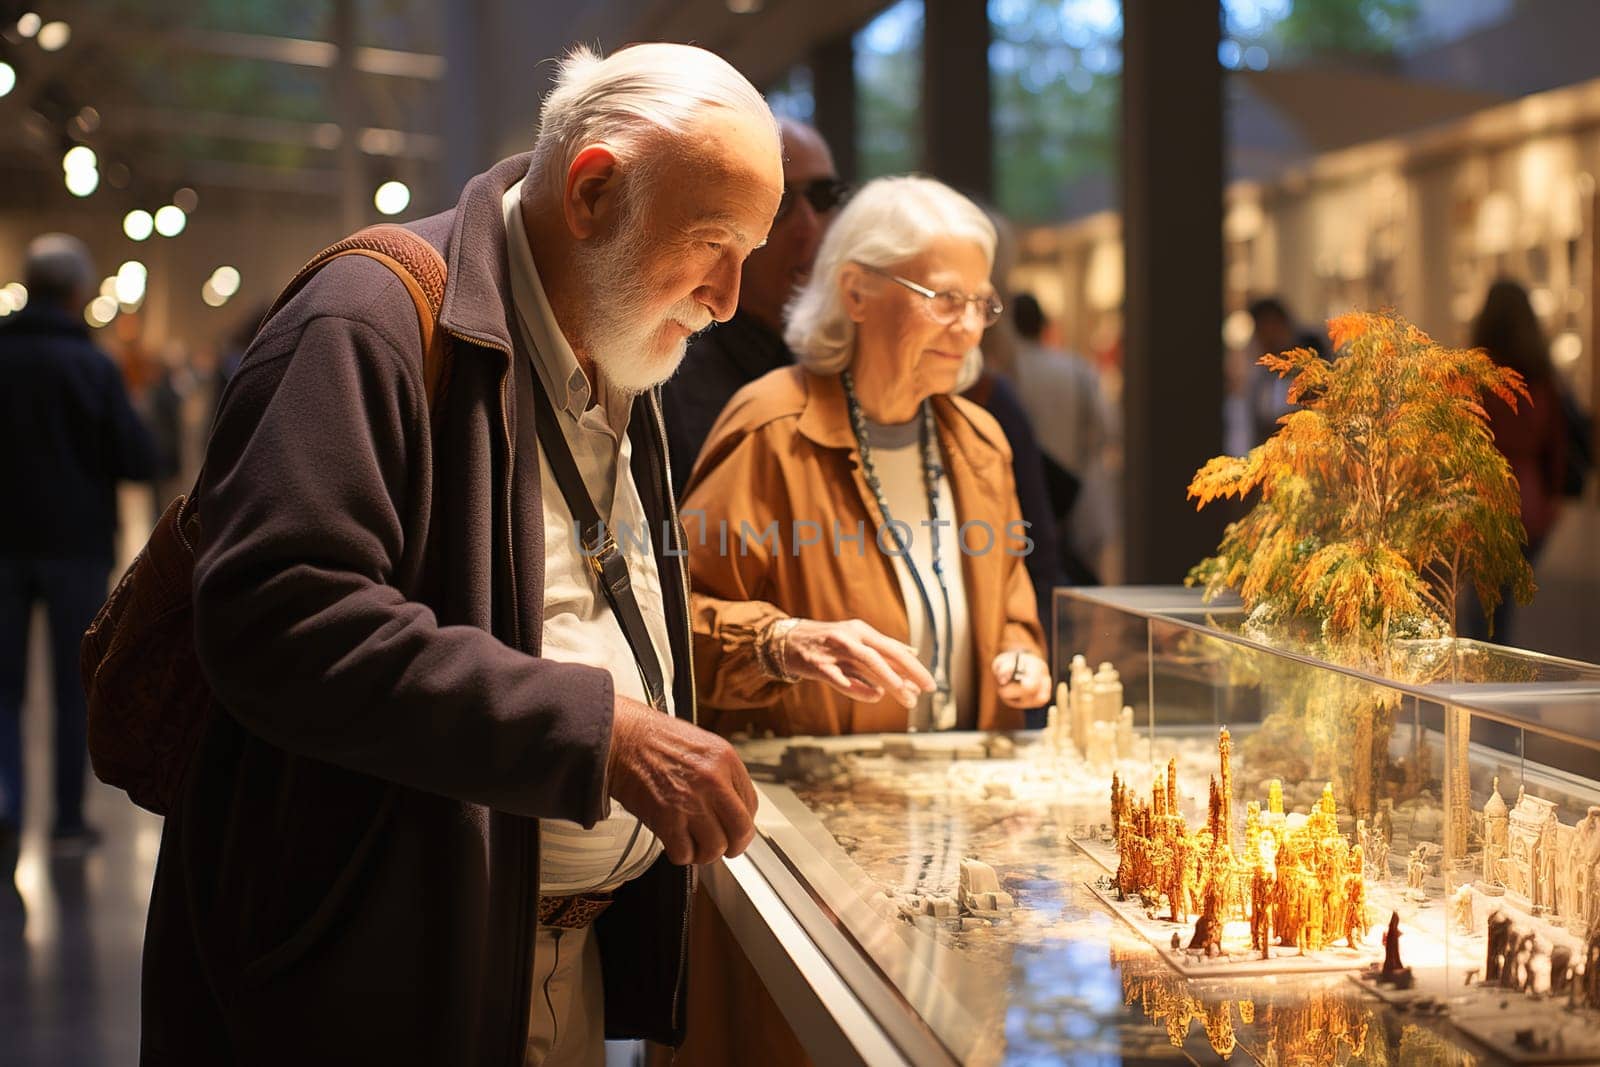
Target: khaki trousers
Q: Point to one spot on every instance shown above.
(566, 1020)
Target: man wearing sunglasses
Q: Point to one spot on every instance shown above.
(725, 358)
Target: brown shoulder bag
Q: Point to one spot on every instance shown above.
(147, 697)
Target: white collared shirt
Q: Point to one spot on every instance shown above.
(579, 625)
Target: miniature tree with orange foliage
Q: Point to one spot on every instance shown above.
(1381, 496)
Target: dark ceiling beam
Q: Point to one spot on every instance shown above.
(325, 136)
(291, 51)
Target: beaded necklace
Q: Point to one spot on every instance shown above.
(932, 473)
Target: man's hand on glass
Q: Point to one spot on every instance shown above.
(686, 785)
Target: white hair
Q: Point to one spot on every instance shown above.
(889, 221)
(629, 100)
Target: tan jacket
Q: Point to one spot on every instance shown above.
(783, 452)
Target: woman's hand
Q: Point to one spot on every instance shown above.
(857, 660)
(1024, 679)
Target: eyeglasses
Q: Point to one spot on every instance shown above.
(823, 194)
(949, 307)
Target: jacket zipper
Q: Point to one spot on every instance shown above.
(524, 959)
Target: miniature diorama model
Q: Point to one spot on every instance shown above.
(1294, 890)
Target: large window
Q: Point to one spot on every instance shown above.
(1055, 72)
(888, 62)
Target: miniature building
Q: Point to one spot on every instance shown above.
(1529, 838)
(1496, 821)
(1298, 884)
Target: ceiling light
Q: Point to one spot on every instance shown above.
(225, 280)
(391, 198)
(186, 200)
(53, 36)
(138, 224)
(101, 310)
(82, 182)
(170, 221)
(29, 24)
(209, 294)
(8, 78)
(79, 157)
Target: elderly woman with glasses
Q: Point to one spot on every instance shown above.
(855, 543)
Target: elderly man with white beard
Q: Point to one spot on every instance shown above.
(446, 806)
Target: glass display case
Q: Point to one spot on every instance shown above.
(1390, 862)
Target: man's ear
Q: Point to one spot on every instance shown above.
(852, 292)
(589, 199)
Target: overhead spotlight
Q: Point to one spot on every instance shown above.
(170, 221)
(79, 157)
(109, 286)
(29, 24)
(130, 285)
(225, 280)
(82, 182)
(208, 293)
(391, 198)
(186, 200)
(53, 36)
(8, 78)
(138, 224)
(100, 312)
(18, 294)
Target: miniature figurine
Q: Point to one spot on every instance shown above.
(1394, 972)
(1461, 905)
(1499, 933)
(1510, 977)
(1591, 969)
(1416, 869)
(1560, 969)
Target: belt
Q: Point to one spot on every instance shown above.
(574, 912)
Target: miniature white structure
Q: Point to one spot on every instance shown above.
(1089, 718)
(1496, 823)
(1530, 847)
(979, 889)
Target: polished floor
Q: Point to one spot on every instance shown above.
(69, 973)
(69, 968)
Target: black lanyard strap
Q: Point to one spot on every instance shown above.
(599, 548)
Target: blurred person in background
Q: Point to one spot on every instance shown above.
(68, 434)
(1074, 425)
(1266, 394)
(998, 397)
(1533, 437)
(731, 355)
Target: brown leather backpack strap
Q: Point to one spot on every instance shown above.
(419, 267)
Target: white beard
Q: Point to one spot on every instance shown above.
(618, 332)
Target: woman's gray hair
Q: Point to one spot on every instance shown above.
(628, 100)
(889, 221)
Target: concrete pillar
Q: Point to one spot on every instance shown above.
(957, 132)
(353, 191)
(466, 151)
(1172, 165)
